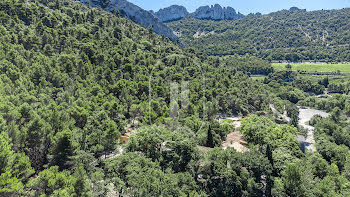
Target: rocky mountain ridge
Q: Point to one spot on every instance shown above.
(134, 13)
(215, 12)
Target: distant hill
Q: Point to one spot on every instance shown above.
(292, 35)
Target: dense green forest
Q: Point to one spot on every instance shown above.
(284, 35)
(73, 79)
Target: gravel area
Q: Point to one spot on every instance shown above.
(305, 115)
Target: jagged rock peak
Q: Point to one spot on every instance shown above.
(174, 12)
(217, 12)
(134, 13)
(296, 9)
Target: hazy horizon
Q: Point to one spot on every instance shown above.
(247, 6)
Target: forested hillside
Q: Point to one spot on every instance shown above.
(285, 35)
(73, 79)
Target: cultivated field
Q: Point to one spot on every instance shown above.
(344, 68)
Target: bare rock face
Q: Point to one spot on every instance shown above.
(174, 12)
(217, 12)
(296, 9)
(134, 13)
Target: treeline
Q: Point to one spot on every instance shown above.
(289, 85)
(329, 103)
(285, 35)
(248, 64)
(341, 87)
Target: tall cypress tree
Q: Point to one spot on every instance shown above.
(210, 140)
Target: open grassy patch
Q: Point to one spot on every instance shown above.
(344, 68)
(258, 77)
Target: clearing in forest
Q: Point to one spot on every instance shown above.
(233, 139)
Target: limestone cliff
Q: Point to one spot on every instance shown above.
(217, 12)
(135, 13)
(171, 13)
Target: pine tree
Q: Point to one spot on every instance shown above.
(150, 29)
(64, 150)
(82, 186)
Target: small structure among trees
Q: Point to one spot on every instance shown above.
(124, 138)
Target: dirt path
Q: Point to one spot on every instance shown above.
(306, 34)
(119, 151)
(284, 115)
(199, 33)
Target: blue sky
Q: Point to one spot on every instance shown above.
(246, 6)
